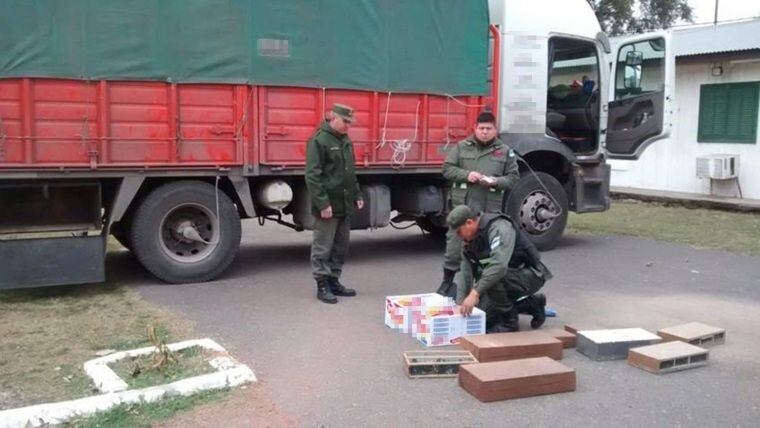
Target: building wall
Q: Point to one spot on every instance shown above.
(671, 164)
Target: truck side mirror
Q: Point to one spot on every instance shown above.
(632, 77)
(634, 58)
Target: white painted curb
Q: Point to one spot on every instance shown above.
(230, 374)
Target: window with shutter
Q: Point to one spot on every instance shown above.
(728, 113)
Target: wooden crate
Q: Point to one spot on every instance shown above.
(512, 346)
(425, 364)
(503, 380)
(668, 357)
(564, 336)
(694, 333)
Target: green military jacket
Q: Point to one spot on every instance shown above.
(330, 172)
(485, 260)
(495, 159)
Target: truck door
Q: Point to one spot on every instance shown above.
(640, 94)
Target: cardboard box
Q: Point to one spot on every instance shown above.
(402, 310)
(503, 380)
(668, 357)
(512, 346)
(443, 330)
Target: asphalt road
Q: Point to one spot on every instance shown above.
(338, 365)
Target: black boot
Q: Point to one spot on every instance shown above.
(339, 289)
(537, 306)
(323, 291)
(447, 287)
(504, 323)
(511, 319)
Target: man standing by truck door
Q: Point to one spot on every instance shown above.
(481, 170)
(334, 192)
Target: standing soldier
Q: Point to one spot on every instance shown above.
(481, 169)
(334, 192)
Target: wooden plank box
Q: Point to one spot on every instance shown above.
(567, 338)
(694, 333)
(668, 357)
(427, 364)
(602, 345)
(512, 346)
(503, 380)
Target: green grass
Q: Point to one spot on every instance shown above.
(702, 228)
(145, 415)
(138, 372)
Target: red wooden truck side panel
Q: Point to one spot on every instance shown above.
(57, 123)
(53, 123)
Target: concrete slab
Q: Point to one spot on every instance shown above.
(602, 345)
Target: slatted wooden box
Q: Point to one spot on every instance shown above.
(512, 346)
(694, 333)
(668, 357)
(503, 380)
(427, 364)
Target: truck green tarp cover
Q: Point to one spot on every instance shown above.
(434, 46)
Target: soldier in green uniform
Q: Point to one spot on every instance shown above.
(481, 170)
(501, 270)
(334, 192)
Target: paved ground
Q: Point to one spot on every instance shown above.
(340, 366)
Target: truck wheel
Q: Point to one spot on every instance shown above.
(534, 210)
(178, 237)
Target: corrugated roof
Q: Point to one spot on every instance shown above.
(709, 39)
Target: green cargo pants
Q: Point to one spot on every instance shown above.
(453, 255)
(526, 281)
(330, 246)
(495, 302)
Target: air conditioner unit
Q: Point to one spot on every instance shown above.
(718, 167)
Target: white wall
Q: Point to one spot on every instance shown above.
(670, 164)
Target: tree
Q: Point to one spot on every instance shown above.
(619, 16)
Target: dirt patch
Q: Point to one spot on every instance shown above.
(242, 408)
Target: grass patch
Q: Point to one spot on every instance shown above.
(703, 228)
(48, 333)
(138, 371)
(145, 415)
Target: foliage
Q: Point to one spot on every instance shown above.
(631, 16)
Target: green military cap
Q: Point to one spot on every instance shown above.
(459, 215)
(344, 111)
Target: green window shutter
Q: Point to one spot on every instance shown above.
(728, 112)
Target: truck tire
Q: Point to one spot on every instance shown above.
(176, 236)
(530, 207)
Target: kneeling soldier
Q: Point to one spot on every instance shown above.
(501, 270)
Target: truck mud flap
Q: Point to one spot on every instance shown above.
(51, 261)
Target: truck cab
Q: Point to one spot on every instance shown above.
(567, 102)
